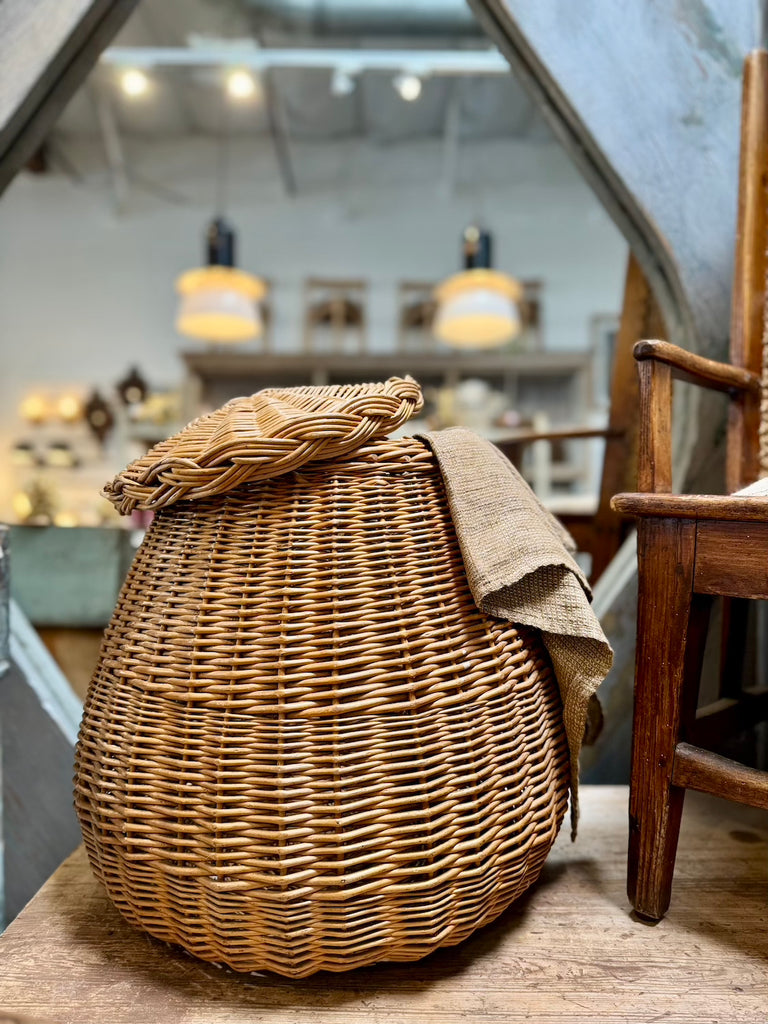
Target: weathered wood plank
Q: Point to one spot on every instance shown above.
(646, 98)
(46, 50)
(569, 952)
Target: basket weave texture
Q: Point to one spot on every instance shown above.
(304, 747)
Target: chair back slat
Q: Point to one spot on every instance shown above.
(748, 458)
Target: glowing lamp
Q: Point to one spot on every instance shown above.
(240, 84)
(65, 519)
(22, 505)
(219, 302)
(134, 83)
(409, 87)
(69, 408)
(35, 409)
(479, 307)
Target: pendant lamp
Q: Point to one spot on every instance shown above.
(478, 308)
(218, 302)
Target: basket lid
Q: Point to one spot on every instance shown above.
(264, 435)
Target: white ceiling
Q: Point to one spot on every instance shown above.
(192, 100)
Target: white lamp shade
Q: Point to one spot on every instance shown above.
(477, 319)
(219, 304)
(216, 315)
(477, 309)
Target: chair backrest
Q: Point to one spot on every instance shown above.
(747, 456)
(640, 318)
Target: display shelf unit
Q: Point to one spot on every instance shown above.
(557, 383)
(555, 386)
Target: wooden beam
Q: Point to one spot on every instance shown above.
(278, 130)
(48, 47)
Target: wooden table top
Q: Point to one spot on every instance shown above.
(567, 952)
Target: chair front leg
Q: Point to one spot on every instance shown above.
(672, 624)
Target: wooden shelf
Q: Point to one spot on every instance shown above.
(225, 363)
(562, 380)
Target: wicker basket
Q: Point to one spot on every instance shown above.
(304, 747)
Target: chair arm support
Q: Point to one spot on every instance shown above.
(696, 369)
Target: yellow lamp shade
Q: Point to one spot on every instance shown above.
(478, 309)
(219, 304)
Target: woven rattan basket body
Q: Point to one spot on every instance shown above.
(304, 747)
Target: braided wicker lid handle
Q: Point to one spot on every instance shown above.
(265, 435)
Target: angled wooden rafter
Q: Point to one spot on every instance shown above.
(47, 48)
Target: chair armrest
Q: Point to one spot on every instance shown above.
(725, 507)
(696, 369)
(658, 363)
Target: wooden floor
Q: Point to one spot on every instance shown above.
(567, 952)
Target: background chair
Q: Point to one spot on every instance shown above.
(692, 548)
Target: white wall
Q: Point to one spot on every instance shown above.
(85, 291)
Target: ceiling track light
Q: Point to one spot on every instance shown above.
(342, 82)
(408, 85)
(134, 83)
(240, 84)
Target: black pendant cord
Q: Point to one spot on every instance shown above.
(223, 163)
(220, 239)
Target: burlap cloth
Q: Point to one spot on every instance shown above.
(519, 567)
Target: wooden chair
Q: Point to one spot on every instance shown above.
(595, 526)
(692, 548)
